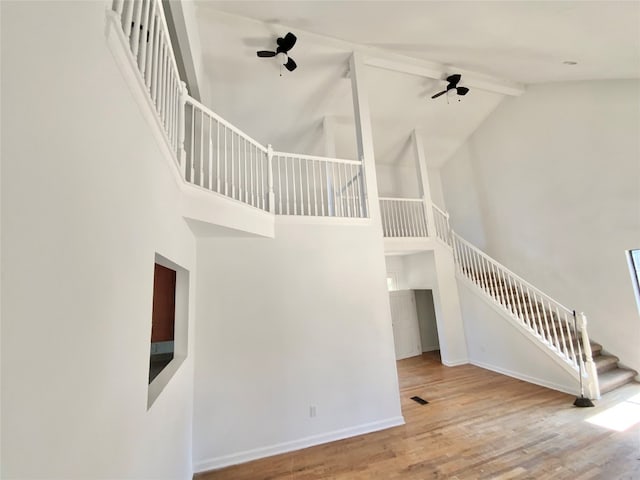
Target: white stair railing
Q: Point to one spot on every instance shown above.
(403, 217)
(144, 27)
(441, 220)
(217, 156)
(317, 186)
(542, 316)
(221, 158)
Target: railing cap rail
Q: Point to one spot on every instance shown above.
(514, 275)
(316, 158)
(399, 199)
(230, 126)
(438, 209)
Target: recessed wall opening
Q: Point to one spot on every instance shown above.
(163, 318)
(169, 324)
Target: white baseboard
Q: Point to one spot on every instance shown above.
(455, 363)
(430, 348)
(525, 378)
(262, 452)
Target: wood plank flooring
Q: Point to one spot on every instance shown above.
(477, 425)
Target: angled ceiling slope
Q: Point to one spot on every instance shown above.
(290, 111)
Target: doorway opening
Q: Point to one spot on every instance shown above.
(414, 323)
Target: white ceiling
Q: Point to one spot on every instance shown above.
(523, 42)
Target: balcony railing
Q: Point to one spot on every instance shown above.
(215, 155)
(403, 217)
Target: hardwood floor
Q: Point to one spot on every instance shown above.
(477, 425)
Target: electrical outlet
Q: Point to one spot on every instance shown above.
(312, 411)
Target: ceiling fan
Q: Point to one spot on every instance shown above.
(285, 44)
(453, 85)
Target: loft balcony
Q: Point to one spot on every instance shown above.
(411, 225)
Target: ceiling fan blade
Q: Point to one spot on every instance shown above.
(266, 53)
(462, 90)
(290, 65)
(438, 94)
(285, 44)
(454, 79)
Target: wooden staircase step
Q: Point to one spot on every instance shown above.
(615, 378)
(605, 363)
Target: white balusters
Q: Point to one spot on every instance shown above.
(223, 159)
(401, 217)
(540, 314)
(315, 186)
(145, 29)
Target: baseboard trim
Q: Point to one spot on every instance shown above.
(455, 363)
(524, 377)
(262, 452)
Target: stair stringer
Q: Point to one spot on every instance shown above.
(498, 341)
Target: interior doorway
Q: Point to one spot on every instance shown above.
(414, 322)
(426, 313)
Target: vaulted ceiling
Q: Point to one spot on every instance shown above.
(523, 42)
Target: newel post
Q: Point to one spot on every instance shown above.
(182, 154)
(272, 196)
(593, 387)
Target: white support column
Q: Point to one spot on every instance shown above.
(423, 181)
(329, 134)
(364, 137)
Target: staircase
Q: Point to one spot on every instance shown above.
(561, 330)
(610, 374)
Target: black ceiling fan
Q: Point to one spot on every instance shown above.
(453, 85)
(285, 44)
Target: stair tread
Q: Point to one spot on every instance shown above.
(614, 378)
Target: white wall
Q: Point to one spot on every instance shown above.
(497, 344)
(395, 268)
(435, 184)
(285, 324)
(402, 181)
(435, 270)
(550, 180)
(398, 181)
(87, 201)
(461, 196)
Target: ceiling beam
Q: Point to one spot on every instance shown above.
(420, 68)
(382, 58)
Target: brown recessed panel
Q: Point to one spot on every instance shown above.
(164, 304)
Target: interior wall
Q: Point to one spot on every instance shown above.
(300, 321)
(435, 184)
(397, 181)
(497, 344)
(87, 201)
(395, 268)
(549, 186)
